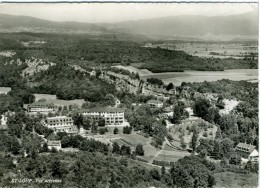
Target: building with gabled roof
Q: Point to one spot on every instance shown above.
(54, 144)
(247, 151)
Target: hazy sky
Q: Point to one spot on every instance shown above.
(115, 12)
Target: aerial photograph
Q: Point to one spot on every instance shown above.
(129, 95)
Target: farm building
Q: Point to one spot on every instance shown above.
(247, 151)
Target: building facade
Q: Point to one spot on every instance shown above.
(54, 144)
(61, 124)
(112, 115)
(155, 103)
(247, 152)
(41, 107)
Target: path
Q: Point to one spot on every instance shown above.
(158, 152)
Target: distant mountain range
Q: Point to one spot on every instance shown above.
(242, 26)
(10, 23)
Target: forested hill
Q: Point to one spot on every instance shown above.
(195, 26)
(107, 50)
(226, 27)
(11, 23)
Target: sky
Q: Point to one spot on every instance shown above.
(116, 12)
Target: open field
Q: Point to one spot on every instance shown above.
(216, 50)
(201, 76)
(58, 102)
(230, 179)
(196, 76)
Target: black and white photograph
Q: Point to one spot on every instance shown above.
(129, 95)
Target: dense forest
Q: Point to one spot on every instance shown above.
(108, 50)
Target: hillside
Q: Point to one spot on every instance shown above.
(243, 25)
(10, 23)
(186, 27)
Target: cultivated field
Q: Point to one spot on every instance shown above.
(216, 50)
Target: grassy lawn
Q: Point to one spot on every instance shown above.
(58, 102)
(230, 179)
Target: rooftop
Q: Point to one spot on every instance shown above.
(53, 142)
(40, 104)
(154, 101)
(102, 109)
(58, 117)
(245, 146)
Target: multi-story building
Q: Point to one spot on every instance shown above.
(155, 103)
(247, 151)
(113, 116)
(41, 107)
(61, 124)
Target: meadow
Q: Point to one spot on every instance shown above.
(230, 179)
(58, 102)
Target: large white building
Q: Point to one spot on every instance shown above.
(112, 115)
(61, 124)
(155, 103)
(41, 107)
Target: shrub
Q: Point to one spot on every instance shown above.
(205, 134)
(116, 131)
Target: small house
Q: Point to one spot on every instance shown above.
(54, 144)
(247, 151)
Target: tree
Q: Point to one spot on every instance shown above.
(235, 159)
(78, 119)
(169, 86)
(58, 170)
(181, 177)
(45, 147)
(125, 150)
(116, 148)
(116, 131)
(155, 174)
(183, 144)
(110, 100)
(252, 166)
(139, 150)
(127, 130)
(163, 171)
(201, 107)
(101, 122)
(194, 140)
(102, 130)
(123, 161)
